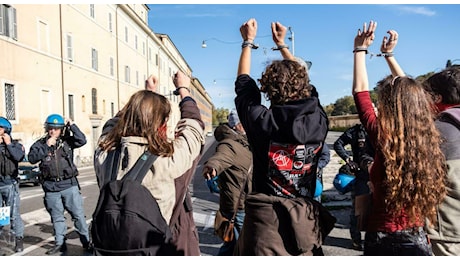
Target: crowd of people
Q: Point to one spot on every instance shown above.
(269, 160)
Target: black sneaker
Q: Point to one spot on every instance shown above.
(357, 246)
(19, 247)
(57, 249)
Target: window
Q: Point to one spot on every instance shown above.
(112, 109)
(143, 48)
(156, 60)
(10, 108)
(150, 54)
(135, 41)
(94, 101)
(69, 47)
(137, 78)
(127, 72)
(94, 59)
(126, 34)
(111, 66)
(103, 107)
(43, 36)
(71, 106)
(110, 22)
(8, 22)
(91, 10)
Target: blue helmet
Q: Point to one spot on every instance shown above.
(212, 184)
(343, 182)
(318, 189)
(54, 121)
(5, 124)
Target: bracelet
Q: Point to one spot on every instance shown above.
(250, 44)
(176, 91)
(279, 47)
(358, 49)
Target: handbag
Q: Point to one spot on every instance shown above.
(224, 227)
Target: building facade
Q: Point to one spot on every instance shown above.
(83, 61)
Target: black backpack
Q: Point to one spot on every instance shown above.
(127, 219)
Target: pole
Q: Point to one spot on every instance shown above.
(292, 40)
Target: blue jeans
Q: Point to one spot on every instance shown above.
(406, 243)
(71, 200)
(10, 197)
(227, 248)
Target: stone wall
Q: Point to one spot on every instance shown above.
(343, 121)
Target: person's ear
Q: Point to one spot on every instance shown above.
(437, 98)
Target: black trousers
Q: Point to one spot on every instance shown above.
(412, 242)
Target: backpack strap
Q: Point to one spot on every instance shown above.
(113, 159)
(141, 167)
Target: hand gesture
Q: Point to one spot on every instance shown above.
(5, 138)
(365, 37)
(209, 173)
(353, 165)
(249, 30)
(68, 121)
(51, 141)
(278, 33)
(389, 43)
(151, 83)
(181, 80)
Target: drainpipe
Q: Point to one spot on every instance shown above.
(62, 60)
(116, 57)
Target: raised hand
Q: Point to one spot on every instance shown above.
(389, 43)
(249, 30)
(365, 37)
(278, 33)
(151, 83)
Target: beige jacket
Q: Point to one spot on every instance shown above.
(160, 182)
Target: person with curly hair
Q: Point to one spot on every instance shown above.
(445, 88)
(408, 177)
(286, 140)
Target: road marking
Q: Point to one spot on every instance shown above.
(41, 193)
(42, 216)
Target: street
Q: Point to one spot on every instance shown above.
(39, 232)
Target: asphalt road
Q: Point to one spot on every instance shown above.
(39, 232)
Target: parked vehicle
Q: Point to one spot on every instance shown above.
(29, 173)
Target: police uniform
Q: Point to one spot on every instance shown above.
(10, 156)
(60, 183)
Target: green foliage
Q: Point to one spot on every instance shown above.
(344, 106)
(219, 115)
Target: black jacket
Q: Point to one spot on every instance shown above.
(296, 122)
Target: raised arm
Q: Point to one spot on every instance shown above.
(278, 36)
(248, 32)
(388, 44)
(363, 40)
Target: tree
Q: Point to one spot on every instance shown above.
(219, 116)
(344, 106)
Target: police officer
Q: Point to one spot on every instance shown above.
(362, 154)
(11, 153)
(59, 178)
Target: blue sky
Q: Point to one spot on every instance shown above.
(323, 34)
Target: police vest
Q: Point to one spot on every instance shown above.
(58, 164)
(7, 166)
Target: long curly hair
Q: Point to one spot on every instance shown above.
(415, 167)
(145, 115)
(285, 80)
